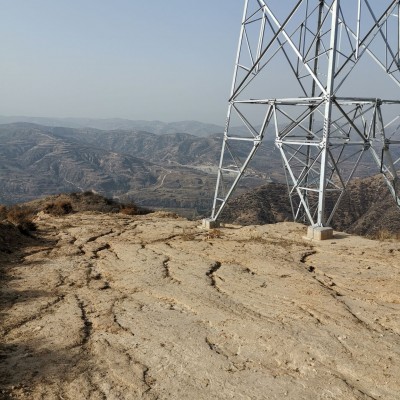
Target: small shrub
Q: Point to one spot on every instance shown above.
(17, 215)
(3, 212)
(130, 209)
(163, 214)
(214, 234)
(109, 202)
(133, 209)
(257, 237)
(26, 227)
(384, 234)
(22, 218)
(58, 207)
(188, 235)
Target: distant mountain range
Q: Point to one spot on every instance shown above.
(157, 127)
(175, 171)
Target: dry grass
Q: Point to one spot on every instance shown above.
(257, 237)
(3, 212)
(66, 203)
(385, 235)
(133, 209)
(165, 214)
(129, 209)
(188, 235)
(214, 234)
(58, 207)
(22, 218)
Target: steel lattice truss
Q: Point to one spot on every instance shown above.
(298, 66)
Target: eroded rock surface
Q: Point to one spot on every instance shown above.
(151, 307)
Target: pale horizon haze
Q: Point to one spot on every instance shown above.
(145, 60)
(141, 60)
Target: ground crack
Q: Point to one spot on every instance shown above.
(310, 313)
(215, 348)
(115, 319)
(87, 325)
(39, 314)
(102, 247)
(306, 255)
(210, 273)
(93, 238)
(358, 319)
(163, 240)
(167, 272)
(355, 389)
(337, 296)
(147, 380)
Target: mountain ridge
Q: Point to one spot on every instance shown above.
(196, 128)
(173, 170)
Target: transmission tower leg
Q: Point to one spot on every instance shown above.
(328, 113)
(312, 47)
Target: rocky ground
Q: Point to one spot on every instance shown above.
(109, 306)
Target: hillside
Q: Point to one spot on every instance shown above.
(34, 162)
(172, 171)
(112, 306)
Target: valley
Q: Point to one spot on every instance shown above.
(172, 171)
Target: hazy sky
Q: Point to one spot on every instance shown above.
(139, 59)
(169, 60)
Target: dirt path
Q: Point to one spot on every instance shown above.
(118, 307)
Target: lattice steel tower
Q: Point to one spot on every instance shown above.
(317, 76)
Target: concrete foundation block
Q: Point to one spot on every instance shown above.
(209, 223)
(319, 232)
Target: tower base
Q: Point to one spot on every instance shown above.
(208, 223)
(319, 233)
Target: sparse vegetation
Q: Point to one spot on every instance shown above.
(384, 235)
(132, 209)
(17, 214)
(3, 212)
(165, 214)
(257, 237)
(214, 234)
(128, 210)
(188, 235)
(66, 203)
(58, 207)
(22, 218)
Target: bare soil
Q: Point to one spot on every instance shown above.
(110, 306)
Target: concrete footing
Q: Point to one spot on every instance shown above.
(319, 232)
(209, 223)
